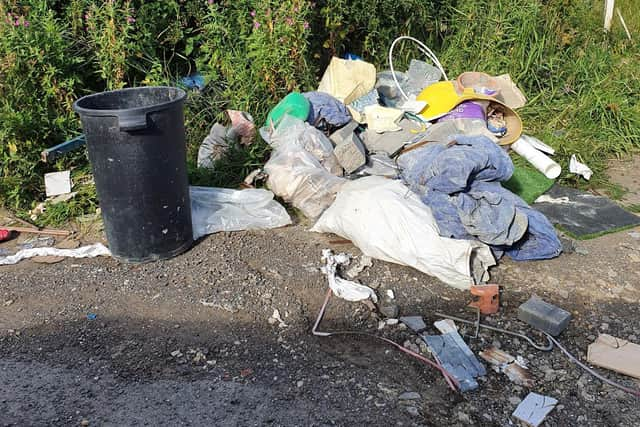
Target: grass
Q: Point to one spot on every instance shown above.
(582, 84)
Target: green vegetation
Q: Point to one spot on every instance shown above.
(582, 84)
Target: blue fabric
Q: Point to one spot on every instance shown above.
(461, 185)
(326, 110)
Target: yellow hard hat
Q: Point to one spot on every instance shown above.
(442, 97)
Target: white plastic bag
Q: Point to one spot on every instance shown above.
(302, 168)
(222, 209)
(389, 222)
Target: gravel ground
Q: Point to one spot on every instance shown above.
(189, 341)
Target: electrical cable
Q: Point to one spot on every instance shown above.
(451, 381)
(571, 357)
(548, 347)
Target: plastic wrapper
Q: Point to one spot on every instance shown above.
(222, 209)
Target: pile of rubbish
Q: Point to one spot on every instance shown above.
(409, 166)
(448, 352)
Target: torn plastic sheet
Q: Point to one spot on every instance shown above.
(91, 251)
(342, 288)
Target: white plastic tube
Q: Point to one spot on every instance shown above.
(422, 48)
(538, 160)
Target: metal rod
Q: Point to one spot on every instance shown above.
(451, 381)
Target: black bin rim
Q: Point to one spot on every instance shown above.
(119, 112)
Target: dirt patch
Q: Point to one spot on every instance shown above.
(626, 173)
(189, 340)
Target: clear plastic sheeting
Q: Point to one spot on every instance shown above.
(222, 209)
(389, 222)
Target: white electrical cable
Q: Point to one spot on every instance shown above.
(424, 49)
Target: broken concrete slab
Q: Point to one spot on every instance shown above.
(349, 149)
(391, 142)
(534, 408)
(616, 354)
(456, 358)
(544, 316)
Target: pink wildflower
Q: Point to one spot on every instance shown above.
(305, 25)
(131, 19)
(252, 13)
(256, 24)
(289, 20)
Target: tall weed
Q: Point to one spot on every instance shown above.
(38, 84)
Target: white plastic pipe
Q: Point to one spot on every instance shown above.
(538, 160)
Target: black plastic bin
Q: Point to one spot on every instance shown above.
(136, 143)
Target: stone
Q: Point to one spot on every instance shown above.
(412, 410)
(411, 346)
(464, 418)
(544, 316)
(389, 309)
(409, 395)
(415, 323)
(581, 251)
(349, 149)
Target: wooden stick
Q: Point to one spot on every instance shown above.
(48, 231)
(22, 221)
(626, 30)
(608, 14)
